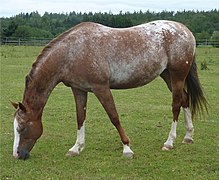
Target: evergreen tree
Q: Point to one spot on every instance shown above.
(202, 24)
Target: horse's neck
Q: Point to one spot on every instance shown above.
(36, 97)
(40, 86)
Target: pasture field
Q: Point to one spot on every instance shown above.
(145, 115)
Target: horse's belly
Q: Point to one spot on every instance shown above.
(129, 76)
(133, 83)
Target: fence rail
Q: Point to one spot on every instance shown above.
(207, 43)
(22, 41)
(18, 41)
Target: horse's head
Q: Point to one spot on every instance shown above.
(27, 129)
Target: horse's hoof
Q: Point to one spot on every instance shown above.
(187, 141)
(72, 153)
(128, 154)
(167, 148)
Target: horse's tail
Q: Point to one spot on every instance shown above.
(198, 102)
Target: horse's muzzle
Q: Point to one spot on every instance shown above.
(22, 153)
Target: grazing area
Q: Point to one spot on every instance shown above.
(145, 114)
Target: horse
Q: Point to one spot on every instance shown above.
(91, 57)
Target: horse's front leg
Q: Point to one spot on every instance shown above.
(81, 103)
(104, 95)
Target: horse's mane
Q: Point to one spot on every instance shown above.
(55, 40)
(48, 47)
(45, 51)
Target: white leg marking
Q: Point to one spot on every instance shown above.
(127, 152)
(80, 142)
(16, 139)
(168, 145)
(189, 126)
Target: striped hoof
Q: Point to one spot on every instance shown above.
(128, 154)
(72, 153)
(167, 148)
(187, 141)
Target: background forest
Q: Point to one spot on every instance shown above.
(204, 24)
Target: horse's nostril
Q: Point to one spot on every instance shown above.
(22, 154)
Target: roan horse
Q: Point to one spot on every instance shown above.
(93, 58)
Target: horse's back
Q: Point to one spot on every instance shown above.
(128, 57)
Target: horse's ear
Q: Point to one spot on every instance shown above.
(14, 104)
(22, 107)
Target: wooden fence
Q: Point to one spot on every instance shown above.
(22, 41)
(16, 41)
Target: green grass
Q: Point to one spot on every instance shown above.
(141, 111)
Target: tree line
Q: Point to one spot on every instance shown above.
(203, 24)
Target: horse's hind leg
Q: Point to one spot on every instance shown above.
(166, 77)
(81, 102)
(188, 139)
(104, 95)
(168, 145)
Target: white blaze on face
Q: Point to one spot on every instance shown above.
(16, 138)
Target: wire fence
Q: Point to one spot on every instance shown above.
(22, 41)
